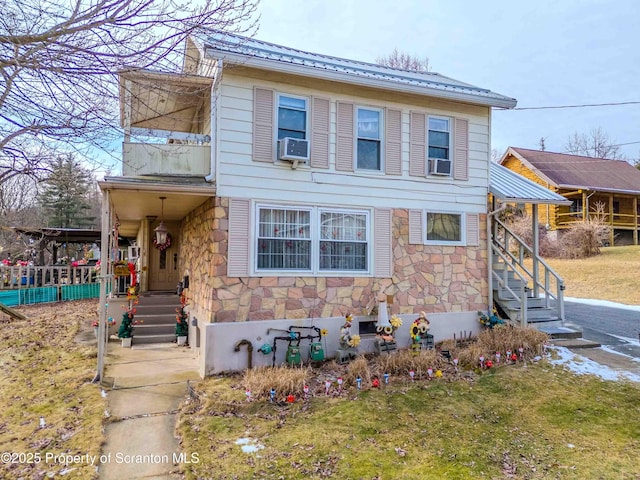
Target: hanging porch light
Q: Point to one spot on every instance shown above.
(161, 232)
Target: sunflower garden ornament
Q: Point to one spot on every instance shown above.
(420, 333)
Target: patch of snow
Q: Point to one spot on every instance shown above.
(633, 341)
(249, 445)
(603, 303)
(584, 366)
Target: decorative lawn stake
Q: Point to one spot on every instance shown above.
(430, 373)
(508, 355)
(521, 351)
(489, 364)
(514, 358)
(291, 398)
(247, 394)
(438, 373)
(412, 374)
(498, 358)
(386, 378)
(305, 389)
(375, 383)
(339, 384)
(272, 395)
(481, 361)
(359, 382)
(455, 364)
(327, 387)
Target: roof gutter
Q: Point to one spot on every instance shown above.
(154, 187)
(314, 72)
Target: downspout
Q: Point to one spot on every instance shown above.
(490, 234)
(214, 123)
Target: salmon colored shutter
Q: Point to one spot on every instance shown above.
(393, 142)
(461, 150)
(238, 250)
(415, 227)
(473, 230)
(320, 132)
(417, 145)
(383, 260)
(344, 139)
(263, 141)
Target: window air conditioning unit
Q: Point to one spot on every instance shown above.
(439, 166)
(294, 150)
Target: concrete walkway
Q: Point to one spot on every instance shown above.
(145, 385)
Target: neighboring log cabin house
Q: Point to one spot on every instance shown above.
(588, 182)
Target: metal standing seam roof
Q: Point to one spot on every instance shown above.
(217, 44)
(511, 187)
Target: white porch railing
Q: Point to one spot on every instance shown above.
(541, 281)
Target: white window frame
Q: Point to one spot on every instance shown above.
(463, 228)
(450, 132)
(315, 220)
(307, 100)
(381, 125)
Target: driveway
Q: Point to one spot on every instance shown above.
(613, 325)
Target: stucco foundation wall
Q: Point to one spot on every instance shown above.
(435, 279)
(219, 339)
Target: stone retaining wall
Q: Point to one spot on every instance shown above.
(428, 278)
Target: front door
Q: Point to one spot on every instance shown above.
(163, 264)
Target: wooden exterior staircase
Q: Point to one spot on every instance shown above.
(528, 292)
(157, 310)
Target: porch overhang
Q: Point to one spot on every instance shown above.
(509, 187)
(134, 199)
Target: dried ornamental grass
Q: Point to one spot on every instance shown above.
(402, 362)
(359, 368)
(284, 380)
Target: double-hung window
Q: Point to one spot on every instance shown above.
(439, 145)
(369, 139)
(284, 239)
(343, 241)
(444, 228)
(312, 239)
(292, 117)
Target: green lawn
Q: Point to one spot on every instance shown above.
(46, 372)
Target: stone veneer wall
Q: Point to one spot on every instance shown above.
(428, 278)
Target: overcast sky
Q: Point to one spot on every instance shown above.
(543, 53)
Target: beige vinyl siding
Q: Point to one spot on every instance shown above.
(239, 176)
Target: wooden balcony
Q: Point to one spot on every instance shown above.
(165, 159)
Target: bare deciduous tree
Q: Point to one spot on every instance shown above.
(59, 63)
(596, 144)
(404, 61)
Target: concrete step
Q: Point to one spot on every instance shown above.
(574, 343)
(145, 329)
(558, 330)
(160, 309)
(164, 319)
(156, 338)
